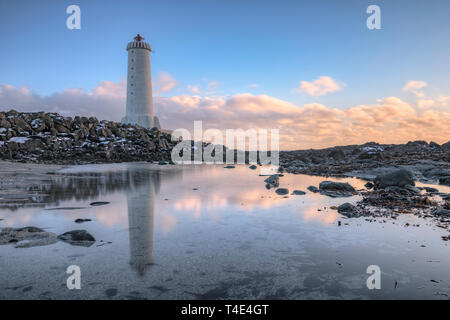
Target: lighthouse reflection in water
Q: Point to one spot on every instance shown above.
(141, 206)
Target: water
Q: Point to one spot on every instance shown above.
(229, 239)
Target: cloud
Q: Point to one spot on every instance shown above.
(319, 87)
(193, 89)
(425, 103)
(443, 100)
(164, 83)
(416, 87)
(107, 100)
(388, 120)
(253, 85)
(212, 85)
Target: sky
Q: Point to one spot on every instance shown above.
(311, 69)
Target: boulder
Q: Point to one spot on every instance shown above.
(369, 185)
(348, 210)
(282, 191)
(77, 238)
(446, 146)
(313, 189)
(445, 181)
(337, 154)
(273, 180)
(442, 212)
(26, 237)
(336, 189)
(298, 192)
(398, 178)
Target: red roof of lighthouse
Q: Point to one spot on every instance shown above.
(138, 37)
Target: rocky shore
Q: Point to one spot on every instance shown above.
(391, 170)
(430, 162)
(41, 137)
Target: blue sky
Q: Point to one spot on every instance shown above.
(255, 52)
(274, 44)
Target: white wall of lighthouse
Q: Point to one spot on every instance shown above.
(139, 104)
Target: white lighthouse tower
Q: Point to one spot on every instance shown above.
(139, 85)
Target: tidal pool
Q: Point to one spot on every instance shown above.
(208, 232)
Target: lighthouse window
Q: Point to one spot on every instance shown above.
(131, 77)
(131, 84)
(132, 60)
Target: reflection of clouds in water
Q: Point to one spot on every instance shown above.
(12, 219)
(198, 204)
(240, 190)
(166, 222)
(328, 216)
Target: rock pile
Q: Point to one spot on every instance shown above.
(433, 159)
(51, 138)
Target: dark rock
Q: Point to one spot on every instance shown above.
(82, 220)
(298, 192)
(446, 146)
(26, 237)
(442, 212)
(98, 203)
(348, 210)
(313, 189)
(445, 181)
(336, 189)
(229, 167)
(369, 185)
(337, 154)
(253, 167)
(434, 145)
(273, 180)
(78, 238)
(397, 178)
(282, 191)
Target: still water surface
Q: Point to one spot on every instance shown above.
(207, 232)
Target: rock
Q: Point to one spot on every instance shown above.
(27, 237)
(253, 167)
(98, 203)
(82, 220)
(313, 189)
(430, 190)
(298, 192)
(398, 178)
(229, 167)
(446, 146)
(78, 238)
(337, 154)
(272, 181)
(282, 191)
(336, 189)
(434, 145)
(348, 210)
(445, 181)
(442, 212)
(369, 185)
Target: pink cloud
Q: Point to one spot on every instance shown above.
(389, 120)
(319, 87)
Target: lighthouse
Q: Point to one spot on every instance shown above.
(139, 109)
